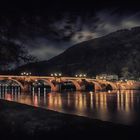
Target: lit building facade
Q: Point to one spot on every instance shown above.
(109, 77)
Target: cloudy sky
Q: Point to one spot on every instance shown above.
(47, 29)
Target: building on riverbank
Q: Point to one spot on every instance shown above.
(109, 77)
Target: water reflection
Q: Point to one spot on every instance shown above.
(116, 106)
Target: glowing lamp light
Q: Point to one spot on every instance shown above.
(56, 74)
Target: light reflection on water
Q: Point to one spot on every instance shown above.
(115, 106)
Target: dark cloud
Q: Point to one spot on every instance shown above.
(47, 32)
(68, 31)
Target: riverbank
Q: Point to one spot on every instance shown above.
(23, 121)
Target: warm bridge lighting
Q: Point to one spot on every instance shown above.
(81, 75)
(56, 74)
(26, 73)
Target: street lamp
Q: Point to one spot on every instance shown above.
(84, 75)
(26, 73)
(57, 75)
(81, 75)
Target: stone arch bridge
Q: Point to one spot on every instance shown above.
(79, 83)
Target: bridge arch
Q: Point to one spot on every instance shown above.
(107, 83)
(113, 85)
(74, 82)
(124, 86)
(16, 81)
(97, 85)
(53, 87)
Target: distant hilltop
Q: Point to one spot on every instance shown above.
(116, 53)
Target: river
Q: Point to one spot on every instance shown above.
(115, 106)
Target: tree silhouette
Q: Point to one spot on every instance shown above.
(13, 55)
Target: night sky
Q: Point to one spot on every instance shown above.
(48, 28)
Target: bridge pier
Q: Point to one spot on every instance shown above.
(55, 88)
(97, 88)
(25, 88)
(83, 88)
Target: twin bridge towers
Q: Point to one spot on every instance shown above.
(80, 83)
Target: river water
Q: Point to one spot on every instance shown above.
(114, 106)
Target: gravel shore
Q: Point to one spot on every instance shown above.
(21, 121)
